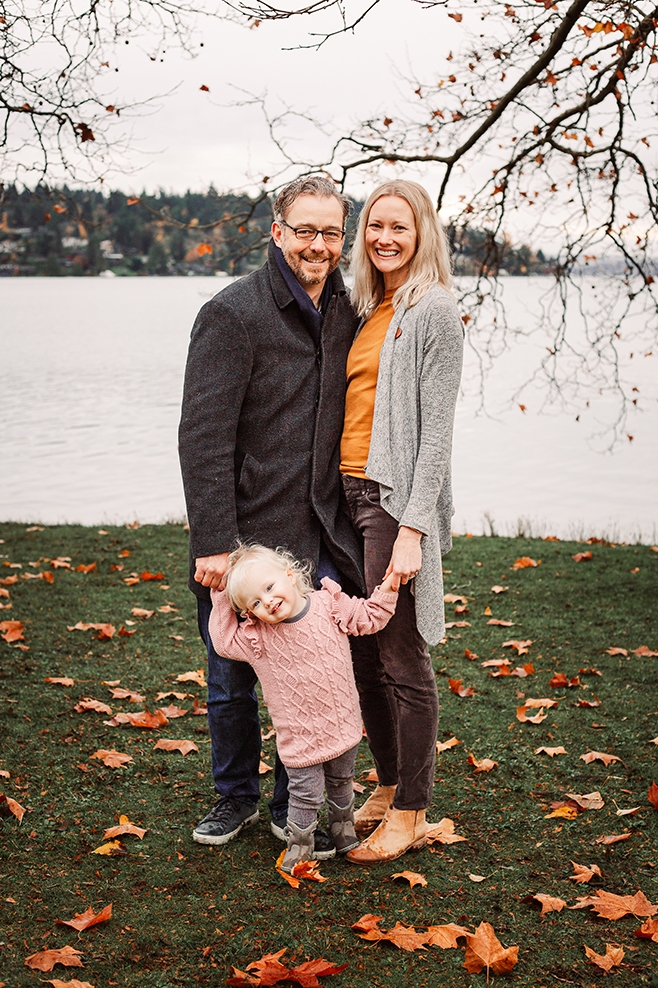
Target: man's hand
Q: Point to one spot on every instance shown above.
(406, 558)
(211, 570)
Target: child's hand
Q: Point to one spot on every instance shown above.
(387, 585)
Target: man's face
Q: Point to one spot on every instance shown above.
(313, 262)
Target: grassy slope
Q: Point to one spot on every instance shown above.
(184, 913)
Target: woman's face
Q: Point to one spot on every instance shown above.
(391, 239)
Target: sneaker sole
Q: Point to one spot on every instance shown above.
(225, 838)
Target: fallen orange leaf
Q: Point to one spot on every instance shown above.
(471, 656)
(617, 651)
(582, 557)
(590, 671)
(199, 709)
(501, 624)
(551, 751)
(549, 904)
(269, 971)
(457, 688)
(522, 671)
(192, 677)
(404, 937)
(82, 921)
(583, 873)
(142, 612)
(444, 745)
(644, 651)
(263, 767)
(176, 696)
(124, 827)
(60, 680)
(521, 647)
(89, 568)
(15, 808)
(589, 703)
(121, 694)
(653, 795)
(522, 715)
(611, 906)
(151, 576)
(413, 877)
(485, 765)
(142, 719)
(588, 801)
(111, 758)
(543, 702)
(443, 832)
(564, 812)
(484, 950)
(451, 598)
(104, 630)
(611, 839)
(113, 849)
(185, 747)
(73, 983)
(598, 756)
(559, 680)
(613, 955)
(88, 703)
(524, 562)
(45, 960)
(445, 936)
(12, 631)
(648, 930)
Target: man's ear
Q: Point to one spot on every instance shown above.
(277, 233)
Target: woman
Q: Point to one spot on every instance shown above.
(403, 377)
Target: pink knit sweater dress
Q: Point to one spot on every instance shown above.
(305, 668)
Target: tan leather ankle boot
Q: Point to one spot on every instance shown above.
(399, 831)
(371, 814)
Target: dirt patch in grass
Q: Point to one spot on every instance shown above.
(184, 913)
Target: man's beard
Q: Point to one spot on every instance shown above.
(304, 277)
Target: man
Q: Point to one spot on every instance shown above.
(259, 448)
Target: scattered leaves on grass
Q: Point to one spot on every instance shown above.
(500, 623)
(88, 703)
(445, 936)
(590, 671)
(151, 576)
(548, 903)
(177, 696)
(611, 906)
(45, 960)
(582, 557)
(521, 647)
(559, 680)
(587, 801)
(525, 562)
(269, 971)
(82, 921)
(484, 950)
(443, 832)
(142, 612)
(124, 827)
(263, 767)
(12, 631)
(643, 650)
(185, 747)
(598, 756)
(444, 745)
(457, 688)
(471, 656)
(583, 873)
(172, 712)
(559, 750)
(612, 958)
(89, 568)
(609, 839)
(15, 808)
(104, 630)
(121, 694)
(60, 680)
(485, 765)
(589, 703)
(142, 719)
(113, 849)
(617, 651)
(192, 677)
(112, 758)
(522, 715)
(652, 795)
(566, 811)
(648, 930)
(458, 624)
(413, 877)
(199, 709)
(451, 598)
(403, 937)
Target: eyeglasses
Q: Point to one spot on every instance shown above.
(308, 234)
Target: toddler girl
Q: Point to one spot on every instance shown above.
(296, 639)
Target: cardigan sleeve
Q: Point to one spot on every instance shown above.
(228, 636)
(217, 375)
(438, 388)
(355, 616)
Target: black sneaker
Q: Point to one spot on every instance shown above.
(225, 820)
(324, 847)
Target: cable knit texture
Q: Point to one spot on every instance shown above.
(305, 668)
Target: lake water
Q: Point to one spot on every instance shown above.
(90, 384)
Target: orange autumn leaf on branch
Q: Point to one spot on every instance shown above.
(612, 958)
(484, 950)
(82, 921)
(270, 971)
(45, 960)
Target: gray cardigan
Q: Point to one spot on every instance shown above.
(417, 385)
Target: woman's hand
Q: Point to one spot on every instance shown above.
(211, 570)
(406, 558)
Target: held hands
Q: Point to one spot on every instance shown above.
(406, 559)
(211, 570)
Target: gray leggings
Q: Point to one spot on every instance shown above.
(306, 787)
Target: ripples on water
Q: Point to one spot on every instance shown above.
(90, 387)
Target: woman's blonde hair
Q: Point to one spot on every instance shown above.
(245, 555)
(431, 262)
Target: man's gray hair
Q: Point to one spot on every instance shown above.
(310, 185)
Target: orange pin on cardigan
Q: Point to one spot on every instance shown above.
(398, 332)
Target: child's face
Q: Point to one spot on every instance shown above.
(271, 593)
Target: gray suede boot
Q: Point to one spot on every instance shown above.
(341, 826)
(300, 845)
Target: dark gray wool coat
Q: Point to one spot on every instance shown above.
(261, 423)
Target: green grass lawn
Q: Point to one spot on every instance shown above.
(184, 913)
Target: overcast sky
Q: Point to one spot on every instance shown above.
(191, 138)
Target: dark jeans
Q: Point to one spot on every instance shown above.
(393, 671)
(234, 723)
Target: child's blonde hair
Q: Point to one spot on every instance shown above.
(242, 557)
